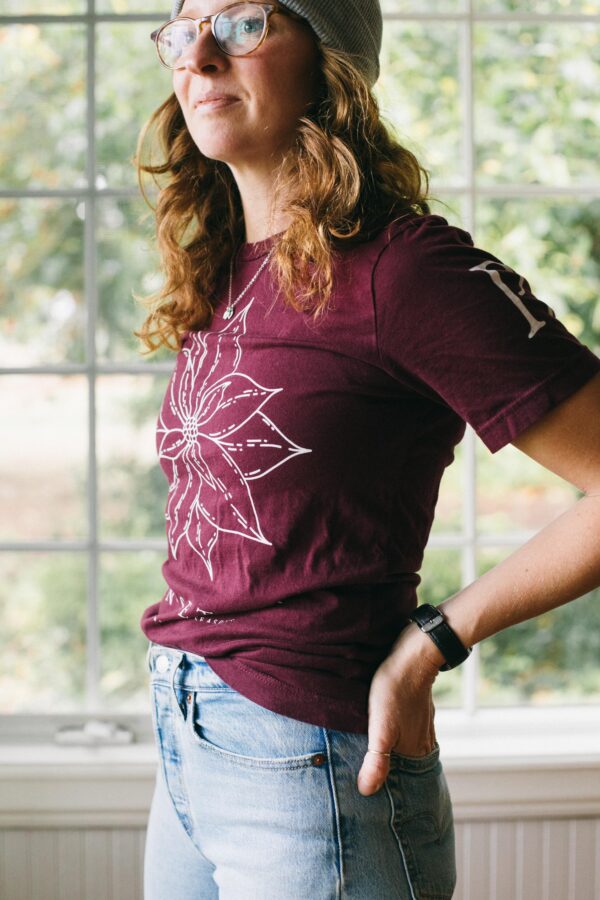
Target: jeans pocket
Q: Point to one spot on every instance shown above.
(424, 824)
(226, 723)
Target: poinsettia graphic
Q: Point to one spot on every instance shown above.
(219, 441)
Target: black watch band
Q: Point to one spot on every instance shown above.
(432, 622)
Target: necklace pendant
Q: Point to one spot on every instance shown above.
(230, 306)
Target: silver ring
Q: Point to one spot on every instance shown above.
(380, 752)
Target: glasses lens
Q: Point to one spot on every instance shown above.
(175, 40)
(239, 30)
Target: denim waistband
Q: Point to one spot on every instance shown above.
(181, 667)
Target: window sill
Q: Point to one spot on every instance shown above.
(515, 736)
(499, 763)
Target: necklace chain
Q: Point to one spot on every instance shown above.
(231, 305)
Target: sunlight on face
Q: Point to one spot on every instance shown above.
(269, 90)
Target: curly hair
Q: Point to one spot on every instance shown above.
(347, 178)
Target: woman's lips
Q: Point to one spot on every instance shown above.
(207, 105)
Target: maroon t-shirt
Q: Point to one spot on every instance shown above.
(304, 458)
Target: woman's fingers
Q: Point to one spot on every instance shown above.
(399, 719)
(373, 772)
(382, 733)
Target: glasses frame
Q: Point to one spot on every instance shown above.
(268, 8)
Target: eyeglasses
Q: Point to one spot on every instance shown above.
(238, 29)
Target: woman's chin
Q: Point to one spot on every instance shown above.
(232, 153)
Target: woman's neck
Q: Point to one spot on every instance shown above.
(256, 192)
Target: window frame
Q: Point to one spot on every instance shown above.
(21, 728)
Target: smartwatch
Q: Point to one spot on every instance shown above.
(432, 621)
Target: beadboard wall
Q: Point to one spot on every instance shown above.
(552, 859)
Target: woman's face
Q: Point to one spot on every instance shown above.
(272, 86)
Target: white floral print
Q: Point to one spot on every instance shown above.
(185, 611)
(219, 441)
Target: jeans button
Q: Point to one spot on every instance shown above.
(162, 663)
(318, 759)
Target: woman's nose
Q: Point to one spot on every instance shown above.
(204, 50)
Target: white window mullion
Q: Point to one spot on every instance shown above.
(470, 674)
(468, 114)
(90, 293)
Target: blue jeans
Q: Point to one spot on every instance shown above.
(253, 805)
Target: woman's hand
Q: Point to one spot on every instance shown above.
(401, 710)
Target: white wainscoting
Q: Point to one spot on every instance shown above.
(526, 797)
(534, 859)
(530, 859)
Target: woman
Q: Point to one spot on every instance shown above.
(333, 339)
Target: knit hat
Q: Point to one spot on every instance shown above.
(355, 26)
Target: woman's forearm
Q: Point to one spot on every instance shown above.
(559, 564)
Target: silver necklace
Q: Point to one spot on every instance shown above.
(231, 305)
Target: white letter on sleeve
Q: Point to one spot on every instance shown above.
(534, 324)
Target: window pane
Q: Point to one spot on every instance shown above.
(452, 207)
(551, 659)
(516, 493)
(537, 103)
(42, 7)
(419, 95)
(42, 317)
(44, 457)
(541, 7)
(440, 578)
(42, 83)
(43, 645)
(127, 264)
(416, 6)
(135, 6)
(130, 85)
(129, 582)
(553, 243)
(132, 486)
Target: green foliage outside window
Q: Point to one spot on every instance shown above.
(536, 115)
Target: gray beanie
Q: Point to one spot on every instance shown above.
(352, 25)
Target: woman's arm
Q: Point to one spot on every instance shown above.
(557, 565)
(562, 561)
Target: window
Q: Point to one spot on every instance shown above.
(498, 99)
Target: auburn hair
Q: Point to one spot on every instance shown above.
(347, 177)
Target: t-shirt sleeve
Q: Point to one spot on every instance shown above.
(455, 321)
